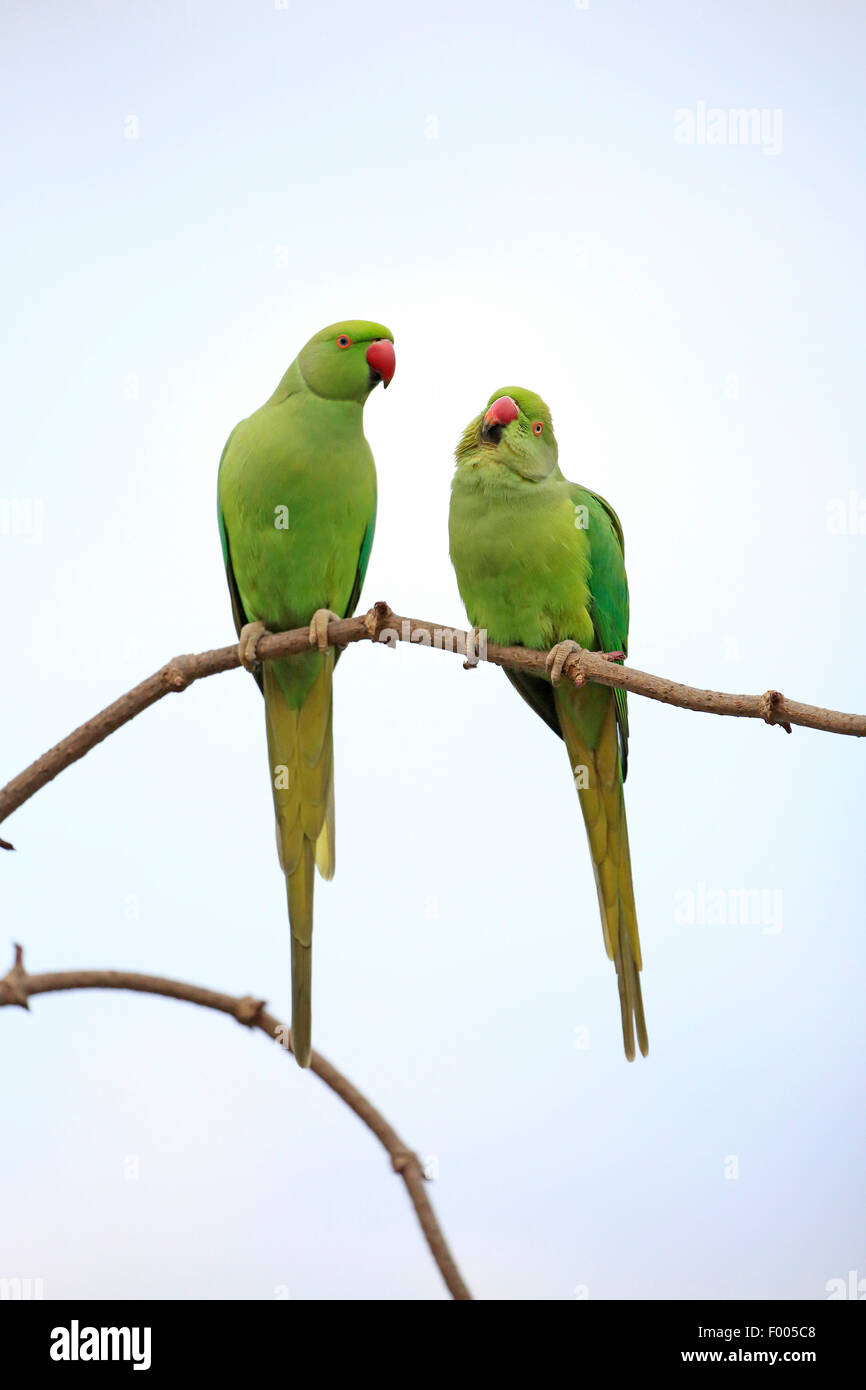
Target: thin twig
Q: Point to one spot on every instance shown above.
(17, 987)
(380, 624)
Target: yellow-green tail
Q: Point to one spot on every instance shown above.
(599, 785)
(301, 756)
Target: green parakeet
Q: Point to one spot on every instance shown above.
(297, 509)
(539, 562)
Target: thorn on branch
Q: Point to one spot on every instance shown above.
(4, 844)
(248, 1010)
(770, 702)
(402, 1158)
(13, 986)
(178, 674)
(378, 618)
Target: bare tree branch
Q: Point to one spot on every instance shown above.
(380, 624)
(17, 987)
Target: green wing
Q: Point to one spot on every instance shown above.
(363, 561)
(608, 610)
(609, 593)
(238, 613)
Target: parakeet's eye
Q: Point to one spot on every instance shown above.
(538, 427)
(344, 341)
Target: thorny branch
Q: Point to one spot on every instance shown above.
(17, 987)
(381, 625)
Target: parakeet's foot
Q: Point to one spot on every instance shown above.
(558, 656)
(248, 640)
(613, 656)
(319, 627)
(479, 645)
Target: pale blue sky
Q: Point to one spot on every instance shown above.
(694, 317)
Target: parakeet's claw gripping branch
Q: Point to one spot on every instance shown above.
(557, 660)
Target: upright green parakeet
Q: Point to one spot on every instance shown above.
(539, 563)
(297, 510)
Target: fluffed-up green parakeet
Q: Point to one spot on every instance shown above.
(297, 510)
(539, 563)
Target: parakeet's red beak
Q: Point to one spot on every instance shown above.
(501, 413)
(382, 360)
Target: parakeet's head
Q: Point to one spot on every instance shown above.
(513, 432)
(346, 360)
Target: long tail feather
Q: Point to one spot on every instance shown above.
(299, 890)
(301, 754)
(598, 777)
